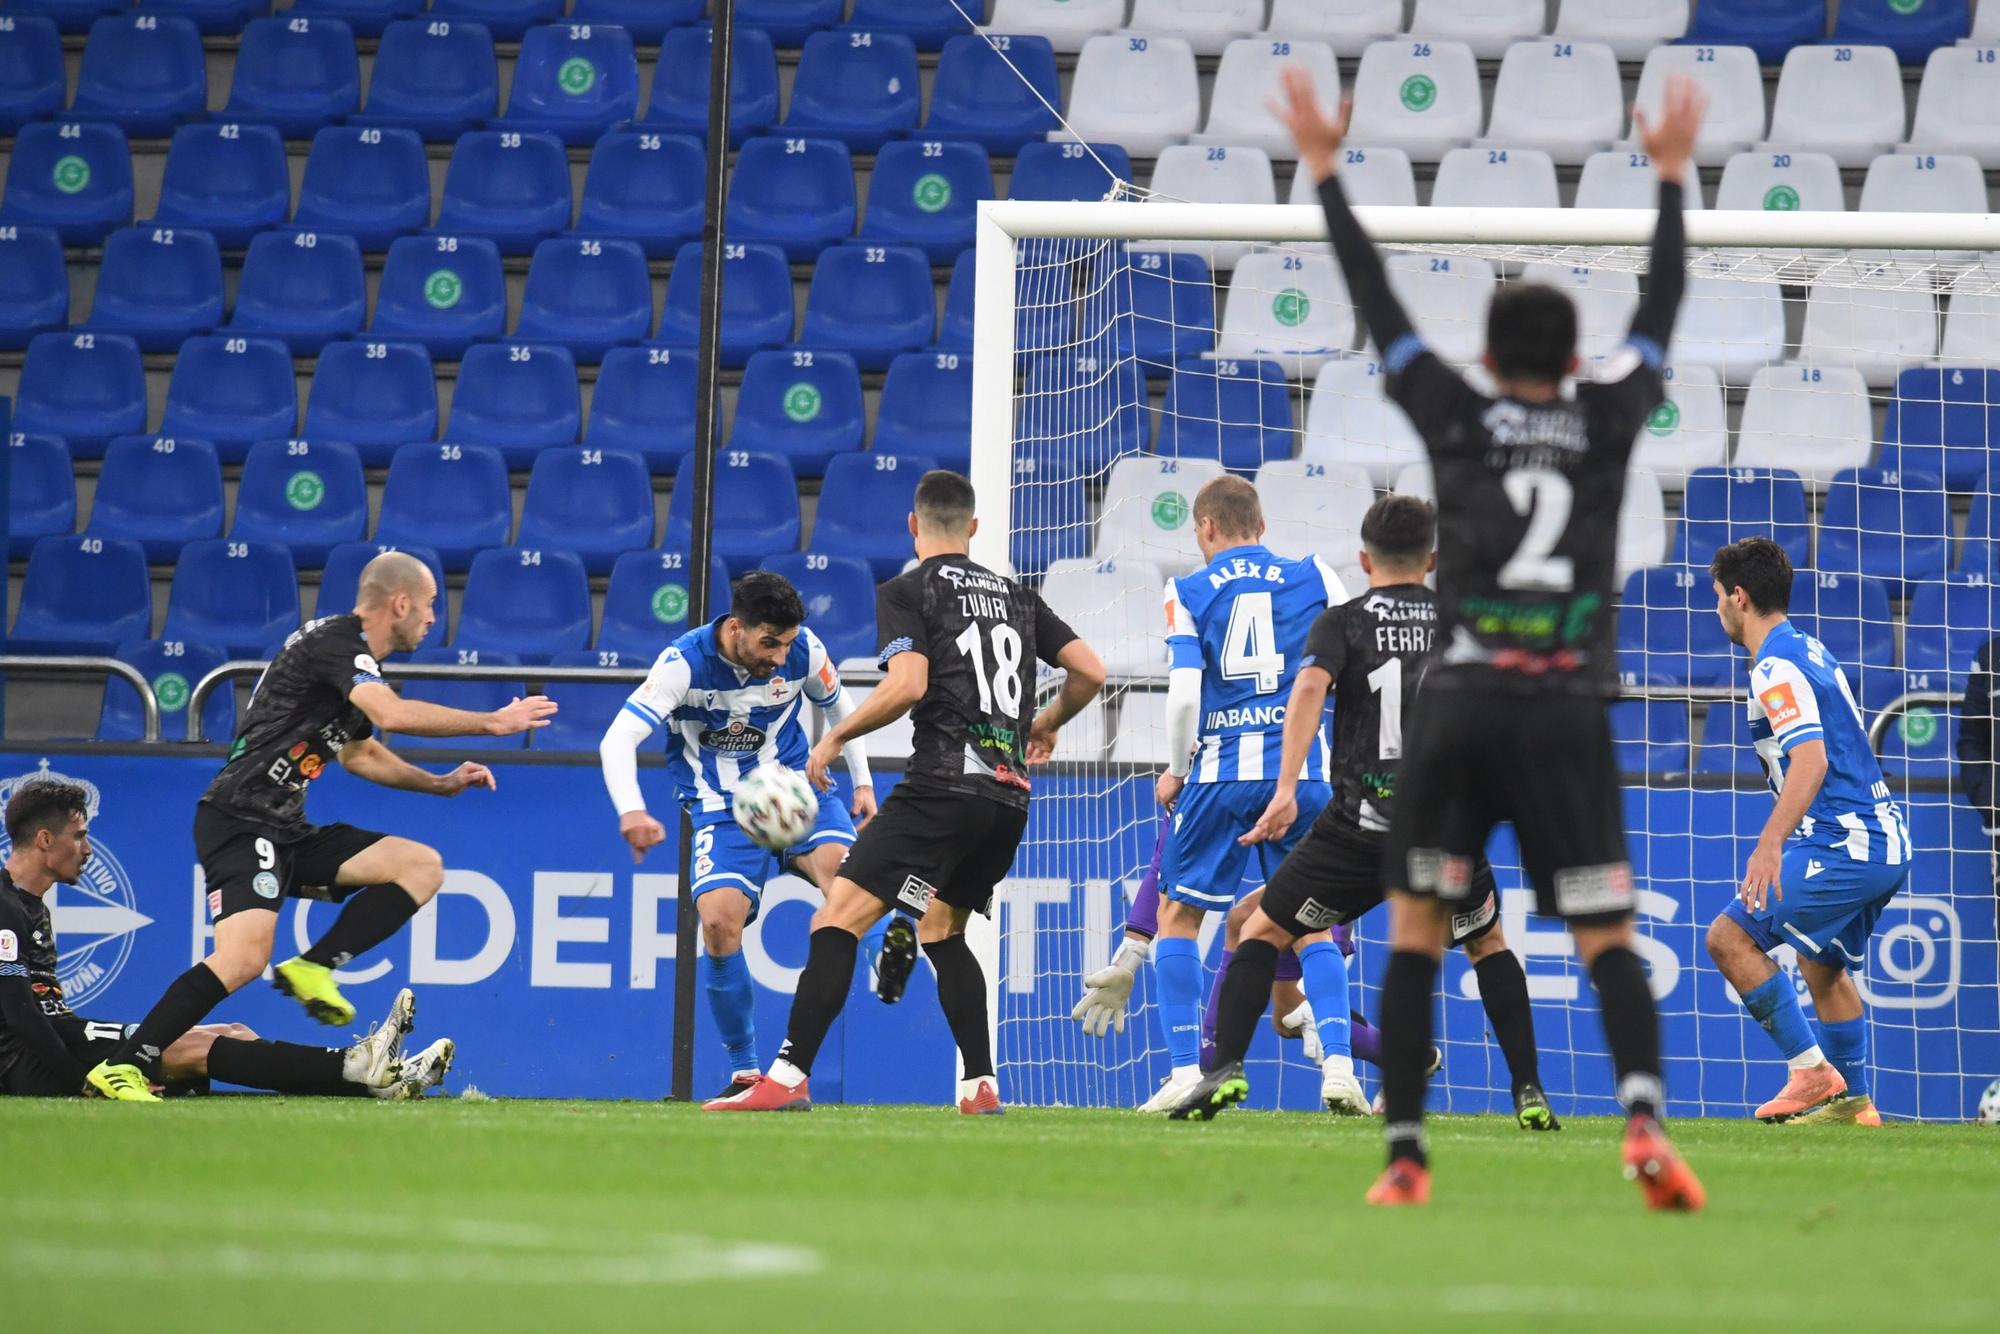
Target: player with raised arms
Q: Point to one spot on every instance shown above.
(731, 694)
(1513, 723)
(959, 646)
(321, 700)
(1833, 853)
(1368, 652)
(1234, 628)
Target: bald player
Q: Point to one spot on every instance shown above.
(321, 699)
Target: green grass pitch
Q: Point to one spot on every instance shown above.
(578, 1218)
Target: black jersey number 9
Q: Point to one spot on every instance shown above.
(1543, 497)
(1006, 680)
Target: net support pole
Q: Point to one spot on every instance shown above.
(701, 475)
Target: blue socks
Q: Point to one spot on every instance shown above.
(1775, 1005)
(733, 1001)
(1325, 975)
(1846, 1045)
(1177, 973)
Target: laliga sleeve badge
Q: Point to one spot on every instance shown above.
(10, 947)
(266, 885)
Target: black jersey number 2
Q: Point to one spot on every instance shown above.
(1543, 497)
(1006, 679)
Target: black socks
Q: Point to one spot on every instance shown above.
(961, 989)
(1631, 1028)
(1503, 990)
(282, 1067)
(185, 1003)
(369, 918)
(1406, 1051)
(1246, 990)
(821, 993)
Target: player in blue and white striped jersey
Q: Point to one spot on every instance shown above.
(1236, 629)
(730, 694)
(1834, 852)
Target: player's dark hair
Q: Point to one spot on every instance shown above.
(1399, 529)
(763, 598)
(1531, 332)
(1759, 567)
(1233, 504)
(944, 500)
(44, 805)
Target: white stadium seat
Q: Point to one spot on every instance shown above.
(1621, 178)
(1842, 100)
(1289, 308)
(1422, 97)
(1564, 98)
(1141, 93)
(1239, 112)
(1446, 297)
(1142, 728)
(1630, 28)
(1958, 105)
(1642, 524)
(1368, 175)
(1878, 329)
(1972, 318)
(1781, 182)
(1119, 600)
(1314, 509)
(1147, 514)
(1348, 26)
(1814, 420)
(1213, 175)
(1415, 479)
(1068, 24)
(1489, 27)
(1732, 323)
(1350, 424)
(886, 743)
(1083, 739)
(1496, 178)
(1208, 26)
(1604, 298)
(1735, 87)
(1926, 183)
(1985, 27)
(1688, 431)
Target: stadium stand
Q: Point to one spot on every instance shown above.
(41, 496)
(1146, 512)
(586, 295)
(1292, 309)
(1563, 98)
(1236, 412)
(796, 194)
(174, 667)
(1349, 421)
(1207, 26)
(1781, 182)
(1065, 24)
(1068, 171)
(646, 604)
(1311, 508)
(644, 402)
(1487, 27)
(83, 387)
(1948, 622)
(215, 18)
(1002, 105)
(374, 396)
(1958, 105)
(595, 503)
(861, 88)
(32, 78)
(1890, 526)
(859, 494)
(1734, 325)
(1980, 554)
(1446, 296)
(473, 696)
(1165, 307)
(1083, 411)
(368, 18)
(1688, 431)
(581, 709)
(1650, 736)
(1668, 629)
(756, 300)
(342, 576)
(144, 73)
(436, 77)
(1238, 110)
(159, 491)
(71, 17)
(926, 193)
(1642, 524)
(839, 596)
(679, 101)
(925, 408)
(305, 495)
(1735, 117)
(1422, 97)
(1941, 421)
(643, 187)
(1909, 31)
(1620, 178)
(1850, 615)
(83, 595)
(755, 503)
(1876, 318)
(804, 406)
(1496, 178)
(158, 286)
(507, 20)
(517, 398)
(1808, 420)
(232, 391)
(1050, 520)
(1348, 26)
(1141, 93)
(1213, 175)
(1767, 28)
(790, 23)
(1104, 595)
(243, 596)
(295, 75)
(647, 20)
(303, 288)
(73, 177)
(1630, 28)
(574, 81)
(1723, 505)
(927, 23)
(1846, 101)
(524, 600)
(373, 184)
(1369, 176)
(1604, 298)
(445, 292)
(870, 301)
(510, 187)
(34, 285)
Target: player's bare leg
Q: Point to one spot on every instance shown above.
(1769, 996)
(1419, 926)
(724, 911)
(961, 986)
(1503, 990)
(398, 876)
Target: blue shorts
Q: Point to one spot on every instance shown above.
(1204, 864)
(1830, 907)
(725, 857)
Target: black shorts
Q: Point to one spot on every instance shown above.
(1541, 762)
(1335, 874)
(89, 1041)
(930, 842)
(248, 866)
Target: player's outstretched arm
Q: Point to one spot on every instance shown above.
(1670, 143)
(372, 760)
(1084, 680)
(1303, 713)
(390, 712)
(905, 679)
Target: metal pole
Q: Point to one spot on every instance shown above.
(708, 355)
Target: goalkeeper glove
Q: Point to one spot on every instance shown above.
(1103, 1006)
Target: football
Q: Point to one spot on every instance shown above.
(776, 806)
(1989, 1106)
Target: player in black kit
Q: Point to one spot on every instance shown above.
(1370, 652)
(321, 700)
(959, 646)
(1513, 725)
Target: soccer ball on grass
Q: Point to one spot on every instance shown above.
(775, 806)
(1989, 1106)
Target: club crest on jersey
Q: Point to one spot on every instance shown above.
(1781, 706)
(737, 738)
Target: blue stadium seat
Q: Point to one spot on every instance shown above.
(303, 288)
(1724, 504)
(926, 193)
(1947, 623)
(306, 496)
(1725, 742)
(927, 23)
(525, 600)
(1668, 629)
(1050, 521)
(646, 603)
(587, 295)
(573, 81)
(756, 300)
(839, 594)
(228, 179)
(174, 667)
(1239, 412)
(144, 73)
(70, 16)
(41, 495)
(368, 18)
(1920, 745)
(433, 76)
(1082, 410)
(861, 505)
(1850, 615)
(159, 491)
(1980, 553)
(374, 396)
(979, 95)
(1911, 31)
(680, 84)
(583, 710)
(1067, 171)
(755, 501)
(507, 20)
(1768, 27)
(1943, 421)
(451, 498)
(158, 285)
(509, 186)
(789, 22)
(295, 74)
(472, 696)
(1650, 736)
(215, 18)
(644, 187)
(32, 81)
(858, 87)
(232, 392)
(644, 402)
(646, 20)
(797, 194)
(1165, 309)
(805, 406)
(1889, 525)
(341, 578)
(926, 408)
(596, 503)
(76, 178)
(83, 387)
(34, 285)
(955, 328)
(83, 595)
(371, 183)
(872, 302)
(518, 398)
(443, 292)
(241, 595)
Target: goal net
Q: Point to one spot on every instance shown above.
(1827, 387)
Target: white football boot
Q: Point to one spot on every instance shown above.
(1172, 1089)
(421, 1073)
(377, 1060)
